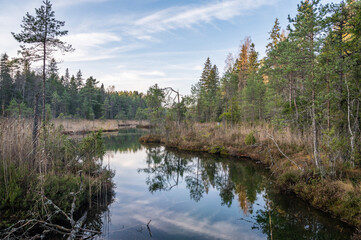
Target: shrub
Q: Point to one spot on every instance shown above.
(250, 139)
(288, 179)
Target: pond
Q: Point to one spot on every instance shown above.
(198, 196)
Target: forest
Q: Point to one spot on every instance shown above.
(67, 96)
(308, 81)
(297, 110)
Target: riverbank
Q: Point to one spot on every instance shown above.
(83, 126)
(287, 155)
(55, 181)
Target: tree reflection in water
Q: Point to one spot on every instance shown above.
(282, 216)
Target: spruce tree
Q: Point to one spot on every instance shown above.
(79, 79)
(6, 82)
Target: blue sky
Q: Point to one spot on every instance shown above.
(133, 44)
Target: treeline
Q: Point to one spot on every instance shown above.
(309, 80)
(67, 96)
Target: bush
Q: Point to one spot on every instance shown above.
(250, 139)
(217, 150)
(288, 179)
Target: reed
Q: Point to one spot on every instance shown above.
(54, 173)
(70, 126)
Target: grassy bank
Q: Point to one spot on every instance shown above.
(79, 126)
(59, 174)
(288, 155)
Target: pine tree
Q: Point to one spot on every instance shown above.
(305, 32)
(40, 34)
(275, 36)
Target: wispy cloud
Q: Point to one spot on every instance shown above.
(133, 76)
(191, 15)
(92, 39)
(127, 79)
(91, 46)
(67, 3)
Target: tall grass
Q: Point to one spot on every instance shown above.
(60, 164)
(229, 135)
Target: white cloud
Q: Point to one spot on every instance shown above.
(67, 3)
(141, 80)
(90, 46)
(92, 39)
(132, 76)
(188, 16)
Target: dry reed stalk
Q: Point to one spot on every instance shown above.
(234, 135)
(83, 125)
(15, 145)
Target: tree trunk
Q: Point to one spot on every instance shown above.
(35, 127)
(352, 135)
(314, 130)
(296, 107)
(44, 78)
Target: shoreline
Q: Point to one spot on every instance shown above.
(337, 197)
(83, 126)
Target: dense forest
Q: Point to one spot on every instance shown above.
(67, 96)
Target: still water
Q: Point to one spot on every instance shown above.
(198, 196)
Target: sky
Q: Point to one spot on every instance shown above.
(134, 44)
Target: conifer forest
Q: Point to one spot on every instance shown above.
(296, 109)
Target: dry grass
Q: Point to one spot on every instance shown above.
(15, 140)
(293, 170)
(83, 125)
(213, 137)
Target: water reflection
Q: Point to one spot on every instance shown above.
(198, 196)
(277, 216)
(168, 168)
(125, 140)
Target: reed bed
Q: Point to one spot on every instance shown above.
(15, 140)
(269, 143)
(84, 126)
(53, 170)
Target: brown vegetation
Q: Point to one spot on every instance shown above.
(75, 126)
(288, 155)
(53, 170)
